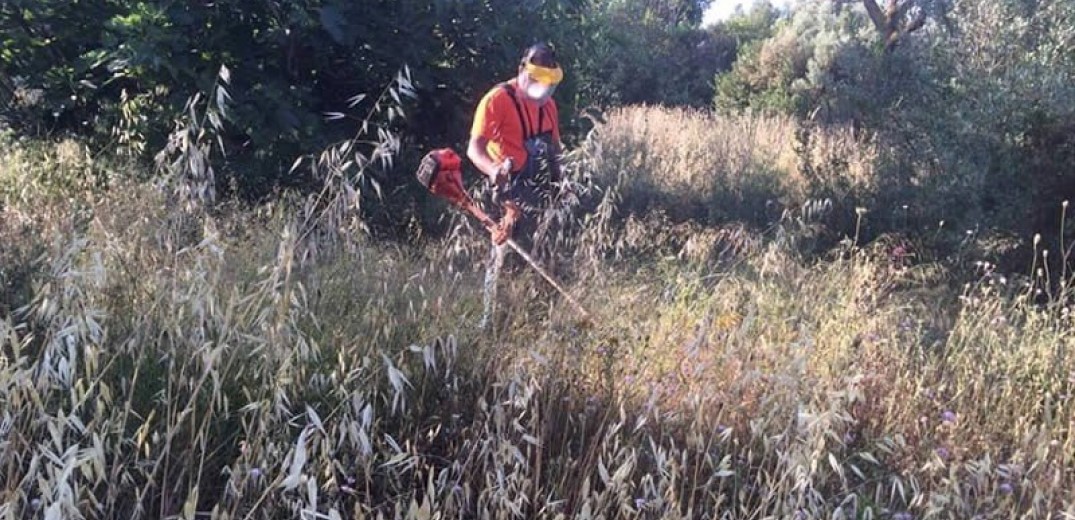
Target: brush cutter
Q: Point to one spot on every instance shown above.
(441, 173)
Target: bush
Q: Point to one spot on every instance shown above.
(968, 132)
(117, 70)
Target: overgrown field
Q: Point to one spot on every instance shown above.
(750, 355)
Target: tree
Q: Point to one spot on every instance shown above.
(754, 25)
(900, 18)
(669, 12)
(651, 51)
(109, 69)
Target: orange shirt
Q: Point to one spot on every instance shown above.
(498, 121)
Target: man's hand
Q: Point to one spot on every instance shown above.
(501, 234)
(497, 173)
(500, 179)
(502, 173)
(503, 231)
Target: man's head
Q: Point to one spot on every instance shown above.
(539, 72)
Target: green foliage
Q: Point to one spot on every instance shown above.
(957, 114)
(640, 51)
(986, 137)
(896, 20)
(756, 24)
(135, 65)
(821, 64)
(298, 69)
(686, 13)
(973, 128)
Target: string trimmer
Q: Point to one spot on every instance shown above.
(440, 172)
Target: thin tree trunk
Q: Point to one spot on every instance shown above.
(888, 21)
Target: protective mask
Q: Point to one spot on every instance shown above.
(538, 91)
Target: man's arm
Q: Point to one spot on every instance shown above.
(479, 155)
(486, 123)
(498, 175)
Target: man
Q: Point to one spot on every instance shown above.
(515, 143)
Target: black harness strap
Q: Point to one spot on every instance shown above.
(523, 120)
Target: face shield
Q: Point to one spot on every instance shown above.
(542, 81)
(539, 91)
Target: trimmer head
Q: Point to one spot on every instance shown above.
(441, 173)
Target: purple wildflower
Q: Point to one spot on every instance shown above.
(942, 452)
(1006, 488)
(948, 416)
(640, 503)
(255, 473)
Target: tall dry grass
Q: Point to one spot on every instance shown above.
(161, 362)
(698, 166)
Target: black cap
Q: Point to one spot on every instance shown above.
(541, 54)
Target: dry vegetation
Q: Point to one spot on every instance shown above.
(157, 361)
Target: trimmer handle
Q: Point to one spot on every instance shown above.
(471, 207)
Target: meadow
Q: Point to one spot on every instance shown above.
(752, 352)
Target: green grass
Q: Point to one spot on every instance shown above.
(158, 362)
